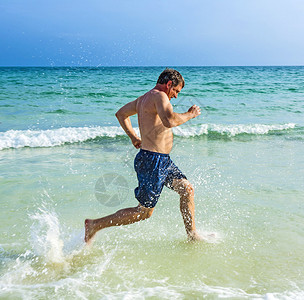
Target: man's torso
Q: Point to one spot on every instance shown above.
(154, 135)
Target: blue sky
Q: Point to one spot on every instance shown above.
(151, 33)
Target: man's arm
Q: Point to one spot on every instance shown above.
(169, 117)
(123, 115)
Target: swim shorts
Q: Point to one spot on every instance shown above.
(154, 170)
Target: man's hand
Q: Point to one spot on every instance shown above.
(136, 142)
(194, 110)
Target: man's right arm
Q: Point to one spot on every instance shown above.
(123, 115)
(170, 118)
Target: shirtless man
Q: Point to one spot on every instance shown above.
(153, 164)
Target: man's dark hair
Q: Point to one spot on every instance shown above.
(173, 75)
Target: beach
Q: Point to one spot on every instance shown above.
(64, 158)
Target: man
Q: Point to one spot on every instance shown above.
(153, 165)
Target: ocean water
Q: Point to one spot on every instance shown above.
(64, 158)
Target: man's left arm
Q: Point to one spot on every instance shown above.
(123, 115)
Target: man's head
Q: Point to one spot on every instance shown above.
(172, 81)
(171, 75)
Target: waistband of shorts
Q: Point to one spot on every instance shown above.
(154, 153)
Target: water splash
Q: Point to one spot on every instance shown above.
(46, 236)
(211, 237)
(49, 239)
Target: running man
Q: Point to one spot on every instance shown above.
(152, 164)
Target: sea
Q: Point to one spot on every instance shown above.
(64, 158)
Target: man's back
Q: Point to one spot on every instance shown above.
(154, 135)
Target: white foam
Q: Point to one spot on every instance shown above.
(230, 130)
(54, 137)
(60, 136)
(236, 129)
(288, 295)
(188, 131)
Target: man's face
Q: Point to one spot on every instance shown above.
(174, 90)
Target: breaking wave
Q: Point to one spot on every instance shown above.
(56, 137)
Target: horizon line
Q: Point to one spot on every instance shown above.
(147, 66)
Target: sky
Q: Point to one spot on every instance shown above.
(151, 33)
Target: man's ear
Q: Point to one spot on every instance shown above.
(169, 84)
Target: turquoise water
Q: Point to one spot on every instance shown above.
(64, 158)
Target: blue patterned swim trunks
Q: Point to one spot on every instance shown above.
(154, 170)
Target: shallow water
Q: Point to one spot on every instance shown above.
(244, 155)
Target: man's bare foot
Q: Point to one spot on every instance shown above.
(89, 230)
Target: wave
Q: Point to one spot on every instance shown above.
(56, 137)
(59, 111)
(65, 112)
(231, 130)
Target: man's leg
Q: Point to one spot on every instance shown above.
(186, 191)
(122, 217)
